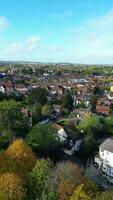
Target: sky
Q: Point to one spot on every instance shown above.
(77, 31)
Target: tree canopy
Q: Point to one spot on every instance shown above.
(90, 121)
(41, 136)
(67, 101)
(38, 95)
(11, 187)
(22, 156)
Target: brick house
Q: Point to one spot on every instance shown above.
(103, 106)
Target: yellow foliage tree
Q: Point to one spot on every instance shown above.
(23, 157)
(79, 194)
(11, 187)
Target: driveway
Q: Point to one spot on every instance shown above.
(97, 176)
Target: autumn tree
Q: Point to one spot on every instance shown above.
(79, 194)
(11, 187)
(90, 188)
(67, 172)
(65, 190)
(22, 156)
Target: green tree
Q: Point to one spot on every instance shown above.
(67, 101)
(90, 121)
(40, 176)
(42, 138)
(38, 95)
(36, 113)
(3, 96)
(5, 162)
(9, 113)
(105, 196)
(89, 143)
(94, 99)
(58, 73)
(46, 110)
(49, 196)
(108, 125)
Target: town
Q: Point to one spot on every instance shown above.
(64, 112)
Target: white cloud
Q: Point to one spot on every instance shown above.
(63, 15)
(4, 23)
(26, 46)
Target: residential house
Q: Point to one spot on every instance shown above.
(2, 89)
(6, 87)
(21, 88)
(71, 139)
(103, 106)
(105, 160)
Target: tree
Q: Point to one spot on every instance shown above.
(3, 96)
(90, 121)
(47, 110)
(58, 73)
(5, 162)
(94, 99)
(67, 172)
(65, 190)
(108, 125)
(89, 143)
(40, 176)
(41, 136)
(22, 157)
(105, 196)
(49, 196)
(11, 187)
(67, 101)
(79, 194)
(38, 95)
(8, 112)
(36, 113)
(90, 188)
(10, 116)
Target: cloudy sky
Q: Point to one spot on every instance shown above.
(79, 31)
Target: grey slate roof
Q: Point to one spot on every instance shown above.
(107, 145)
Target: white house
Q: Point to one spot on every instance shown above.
(106, 157)
(2, 89)
(71, 140)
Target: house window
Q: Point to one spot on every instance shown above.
(109, 169)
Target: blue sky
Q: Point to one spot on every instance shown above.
(79, 31)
